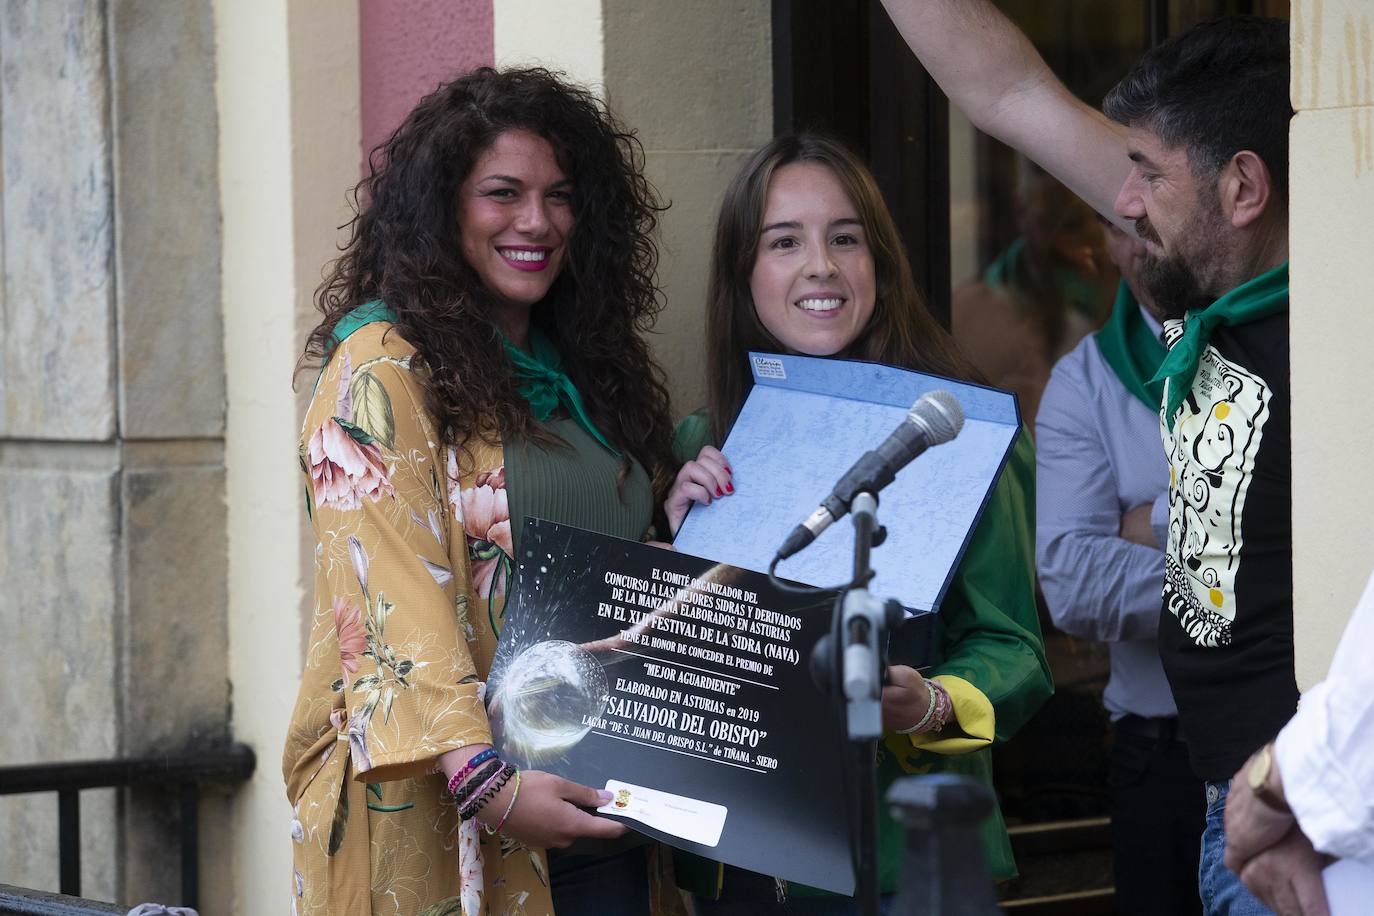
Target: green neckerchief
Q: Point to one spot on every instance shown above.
(1005, 269)
(368, 312)
(1132, 349)
(1258, 298)
(539, 372)
(1008, 269)
(544, 386)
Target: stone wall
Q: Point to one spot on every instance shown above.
(112, 519)
(695, 81)
(1332, 190)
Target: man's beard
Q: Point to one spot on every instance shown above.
(1169, 279)
(1173, 285)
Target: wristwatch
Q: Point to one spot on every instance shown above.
(1257, 777)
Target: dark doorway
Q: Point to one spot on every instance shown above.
(839, 66)
(963, 201)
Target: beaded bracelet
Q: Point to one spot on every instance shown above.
(478, 780)
(493, 831)
(473, 763)
(940, 712)
(486, 783)
(474, 807)
(925, 720)
(488, 792)
(944, 710)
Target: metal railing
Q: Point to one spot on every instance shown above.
(186, 771)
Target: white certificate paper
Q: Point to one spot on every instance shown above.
(689, 818)
(805, 422)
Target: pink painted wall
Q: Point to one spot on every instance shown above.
(408, 47)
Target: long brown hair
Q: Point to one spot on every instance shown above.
(901, 331)
(403, 248)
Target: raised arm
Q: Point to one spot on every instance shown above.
(990, 70)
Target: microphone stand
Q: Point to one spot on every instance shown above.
(853, 656)
(861, 622)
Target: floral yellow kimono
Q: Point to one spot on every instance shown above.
(411, 569)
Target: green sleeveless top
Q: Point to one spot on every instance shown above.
(576, 485)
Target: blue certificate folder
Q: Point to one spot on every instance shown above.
(806, 421)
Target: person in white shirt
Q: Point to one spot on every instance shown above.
(1308, 796)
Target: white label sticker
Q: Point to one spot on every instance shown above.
(689, 818)
(769, 367)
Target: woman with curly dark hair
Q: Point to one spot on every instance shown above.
(482, 362)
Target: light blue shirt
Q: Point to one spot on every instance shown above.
(1098, 455)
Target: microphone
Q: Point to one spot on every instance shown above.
(934, 419)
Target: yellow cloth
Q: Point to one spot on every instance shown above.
(973, 725)
(411, 565)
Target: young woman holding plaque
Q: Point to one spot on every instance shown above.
(808, 260)
(482, 361)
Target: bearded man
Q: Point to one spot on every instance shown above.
(1191, 155)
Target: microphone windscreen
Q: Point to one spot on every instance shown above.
(939, 413)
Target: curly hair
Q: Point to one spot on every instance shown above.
(403, 247)
(902, 332)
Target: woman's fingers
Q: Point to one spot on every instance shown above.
(905, 699)
(904, 676)
(714, 454)
(600, 827)
(580, 822)
(578, 794)
(680, 499)
(690, 490)
(712, 478)
(695, 484)
(717, 469)
(548, 812)
(702, 480)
